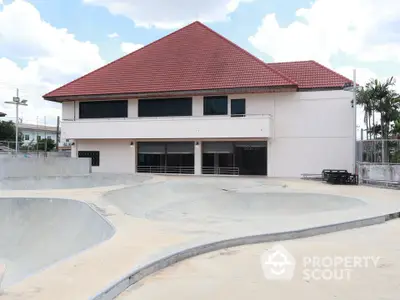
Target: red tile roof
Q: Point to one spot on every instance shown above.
(192, 58)
(310, 74)
(196, 58)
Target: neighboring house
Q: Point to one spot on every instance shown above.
(194, 102)
(31, 133)
(2, 114)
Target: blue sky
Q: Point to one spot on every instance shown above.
(55, 41)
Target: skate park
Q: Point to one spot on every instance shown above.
(94, 236)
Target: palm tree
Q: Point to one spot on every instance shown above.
(387, 103)
(364, 99)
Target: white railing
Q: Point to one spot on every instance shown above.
(220, 170)
(165, 169)
(203, 117)
(193, 127)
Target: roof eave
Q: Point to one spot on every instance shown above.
(161, 94)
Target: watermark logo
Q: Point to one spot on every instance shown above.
(278, 264)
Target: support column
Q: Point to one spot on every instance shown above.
(74, 146)
(198, 153)
(134, 155)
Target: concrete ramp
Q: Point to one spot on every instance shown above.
(36, 233)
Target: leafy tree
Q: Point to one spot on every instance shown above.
(7, 133)
(380, 97)
(45, 145)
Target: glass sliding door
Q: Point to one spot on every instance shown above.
(160, 157)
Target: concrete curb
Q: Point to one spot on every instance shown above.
(158, 263)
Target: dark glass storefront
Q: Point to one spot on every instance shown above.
(158, 157)
(243, 158)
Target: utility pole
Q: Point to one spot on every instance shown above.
(58, 132)
(355, 118)
(17, 102)
(45, 137)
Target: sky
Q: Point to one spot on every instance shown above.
(47, 43)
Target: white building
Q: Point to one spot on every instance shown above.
(194, 102)
(31, 133)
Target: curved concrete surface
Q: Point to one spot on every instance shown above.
(202, 202)
(37, 232)
(236, 273)
(71, 182)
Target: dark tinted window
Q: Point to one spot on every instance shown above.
(217, 105)
(94, 155)
(165, 107)
(103, 109)
(238, 107)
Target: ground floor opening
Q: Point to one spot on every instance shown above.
(224, 158)
(237, 158)
(160, 157)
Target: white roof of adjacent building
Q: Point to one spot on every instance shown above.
(35, 127)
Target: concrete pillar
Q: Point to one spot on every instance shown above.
(74, 147)
(197, 157)
(134, 155)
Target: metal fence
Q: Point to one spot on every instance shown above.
(165, 169)
(187, 170)
(220, 170)
(378, 151)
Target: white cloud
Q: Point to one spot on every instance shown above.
(51, 57)
(130, 47)
(366, 29)
(169, 14)
(113, 35)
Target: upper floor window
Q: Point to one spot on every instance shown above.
(170, 107)
(103, 109)
(215, 105)
(238, 107)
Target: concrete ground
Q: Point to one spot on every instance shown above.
(237, 273)
(153, 215)
(36, 233)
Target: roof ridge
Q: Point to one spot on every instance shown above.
(247, 53)
(123, 57)
(288, 62)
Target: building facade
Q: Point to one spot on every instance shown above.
(195, 103)
(32, 133)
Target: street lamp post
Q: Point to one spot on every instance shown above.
(352, 86)
(17, 102)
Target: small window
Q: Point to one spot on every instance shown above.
(26, 137)
(94, 155)
(49, 137)
(216, 105)
(39, 137)
(238, 107)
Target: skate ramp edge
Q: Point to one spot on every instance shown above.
(178, 254)
(37, 233)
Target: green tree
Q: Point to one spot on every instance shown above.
(380, 97)
(46, 145)
(7, 133)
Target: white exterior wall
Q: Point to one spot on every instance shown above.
(312, 131)
(33, 134)
(68, 110)
(307, 131)
(116, 156)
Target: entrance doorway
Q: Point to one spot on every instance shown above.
(251, 160)
(232, 158)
